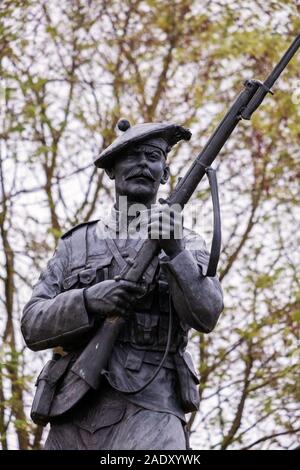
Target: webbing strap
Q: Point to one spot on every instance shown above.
(116, 253)
(79, 247)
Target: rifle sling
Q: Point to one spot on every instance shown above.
(216, 241)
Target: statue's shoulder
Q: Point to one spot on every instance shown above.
(80, 227)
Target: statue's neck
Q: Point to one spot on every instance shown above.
(124, 203)
(127, 209)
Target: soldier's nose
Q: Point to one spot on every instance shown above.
(143, 159)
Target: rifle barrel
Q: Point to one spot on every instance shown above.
(265, 87)
(278, 69)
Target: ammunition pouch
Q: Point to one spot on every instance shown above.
(147, 328)
(146, 331)
(188, 382)
(46, 385)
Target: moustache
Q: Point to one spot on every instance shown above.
(136, 173)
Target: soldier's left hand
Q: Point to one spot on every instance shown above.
(166, 226)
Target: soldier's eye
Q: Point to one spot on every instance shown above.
(154, 156)
(131, 156)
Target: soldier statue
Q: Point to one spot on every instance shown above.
(81, 287)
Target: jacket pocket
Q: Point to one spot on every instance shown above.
(134, 360)
(101, 264)
(87, 277)
(188, 381)
(145, 329)
(83, 278)
(100, 260)
(70, 282)
(154, 358)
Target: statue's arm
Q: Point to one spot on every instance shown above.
(51, 317)
(198, 300)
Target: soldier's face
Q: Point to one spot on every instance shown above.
(139, 172)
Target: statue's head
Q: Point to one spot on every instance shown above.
(137, 160)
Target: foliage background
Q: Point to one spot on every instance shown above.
(69, 70)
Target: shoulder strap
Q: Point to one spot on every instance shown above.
(78, 239)
(79, 247)
(116, 253)
(71, 230)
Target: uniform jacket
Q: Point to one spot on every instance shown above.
(56, 314)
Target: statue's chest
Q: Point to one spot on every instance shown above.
(99, 260)
(103, 260)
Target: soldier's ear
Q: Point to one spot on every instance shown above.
(110, 173)
(165, 175)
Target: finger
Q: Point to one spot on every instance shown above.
(124, 297)
(165, 214)
(153, 229)
(165, 231)
(165, 223)
(129, 295)
(125, 309)
(133, 292)
(154, 223)
(172, 226)
(121, 311)
(128, 286)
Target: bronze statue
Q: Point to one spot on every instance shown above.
(149, 382)
(121, 306)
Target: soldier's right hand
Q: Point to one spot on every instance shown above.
(112, 297)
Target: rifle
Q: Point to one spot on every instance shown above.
(91, 363)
